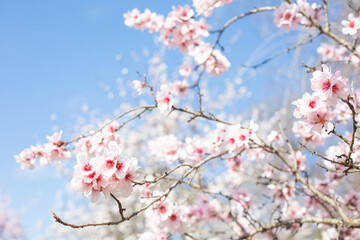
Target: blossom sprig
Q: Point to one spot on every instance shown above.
(288, 15)
(316, 109)
(55, 149)
(180, 30)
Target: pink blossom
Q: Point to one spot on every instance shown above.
(287, 16)
(282, 191)
(314, 111)
(217, 63)
(322, 82)
(235, 164)
(132, 19)
(352, 199)
(185, 70)
(165, 148)
(275, 137)
(181, 30)
(139, 86)
(125, 186)
(181, 88)
(330, 52)
(164, 98)
(215, 140)
(55, 149)
(300, 160)
(181, 13)
(147, 20)
(27, 159)
(294, 210)
(193, 150)
(304, 130)
(268, 172)
(236, 138)
(342, 112)
(312, 10)
(174, 221)
(212, 59)
(351, 26)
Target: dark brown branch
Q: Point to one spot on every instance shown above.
(121, 210)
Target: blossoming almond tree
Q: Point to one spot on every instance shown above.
(214, 176)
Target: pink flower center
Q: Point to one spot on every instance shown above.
(199, 150)
(287, 16)
(173, 217)
(88, 144)
(231, 141)
(242, 138)
(99, 178)
(162, 209)
(87, 167)
(129, 177)
(352, 24)
(312, 104)
(119, 166)
(166, 100)
(92, 175)
(326, 85)
(335, 88)
(110, 163)
(172, 152)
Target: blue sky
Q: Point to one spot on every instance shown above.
(53, 57)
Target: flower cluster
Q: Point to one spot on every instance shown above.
(331, 52)
(165, 148)
(180, 30)
(290, 15)
(234, 139)
(164, 97)
(147, 20)
(48, 153)
(96, 141)
(315, 108)
(303, 130)
(166, 216)
(340, 53)
(108, 172)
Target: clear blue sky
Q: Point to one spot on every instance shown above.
(53, 55)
